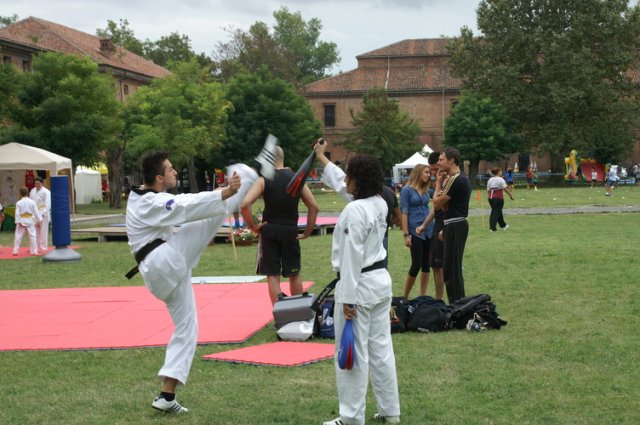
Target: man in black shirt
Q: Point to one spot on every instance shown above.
(452, 194)
(279, 247)
(393, 216)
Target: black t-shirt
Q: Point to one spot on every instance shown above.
(460, 192)
(391, 199)
(279, 206)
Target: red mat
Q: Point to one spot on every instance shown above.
(124, 317)
(6, 252)
(277, 354)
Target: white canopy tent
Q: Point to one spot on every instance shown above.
(15, 156)
(88, 185)
(409, 163)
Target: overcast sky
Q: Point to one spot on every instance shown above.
(356, 26)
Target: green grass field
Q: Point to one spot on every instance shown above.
(545, 197)
(567, 284)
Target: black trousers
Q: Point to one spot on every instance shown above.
(496, 216)
(455, 238)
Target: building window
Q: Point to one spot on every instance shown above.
(329, 115)
(6, 60)
(26, 66)
(125, 90)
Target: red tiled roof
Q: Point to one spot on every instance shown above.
(417, 75)
(412, 47)
(401, 78)
(44, 35)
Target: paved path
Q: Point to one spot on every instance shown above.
(587, 209)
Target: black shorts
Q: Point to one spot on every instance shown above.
(278, 251)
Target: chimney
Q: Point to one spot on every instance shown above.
(107, 48)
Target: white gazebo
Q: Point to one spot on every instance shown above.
(16, 158)
(409, 163)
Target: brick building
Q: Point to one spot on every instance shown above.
(417, 75)
(21, 40)
(414, 72)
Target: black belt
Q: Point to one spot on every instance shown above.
(327, 290)
(375, 266)
(142, 254)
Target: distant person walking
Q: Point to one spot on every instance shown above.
(496, 186)
(612, 181)
(509, 178)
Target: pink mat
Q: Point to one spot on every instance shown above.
(124, 317)
(277, 354)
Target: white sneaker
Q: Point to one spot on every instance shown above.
(168, 406)
(336, 421)
(505, 227)
(267, 157)
(387, 419)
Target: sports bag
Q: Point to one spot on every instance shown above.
(399, 314)
(427, 314)
(477, 308)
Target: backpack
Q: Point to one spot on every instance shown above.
(399, 314)
(477, 308)
(427, 314)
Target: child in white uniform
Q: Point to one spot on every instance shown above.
(27, 216)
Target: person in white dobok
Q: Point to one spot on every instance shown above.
(27, 216)
(166, 260)
(42, 197)
(363, 293)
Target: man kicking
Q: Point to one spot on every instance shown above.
(166, 260)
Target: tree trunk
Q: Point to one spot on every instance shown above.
(116, 175)
(193, 180)
(473, 172)
(557, 162)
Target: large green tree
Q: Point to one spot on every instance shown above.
(8, 20)
(562, 70)
(65, 106)
(172, 49)
(292, 51)
(383, 130)
(166, 51)
(180, 113)
(122, 35)
(480, 129)
(10, 80)
(263, 104)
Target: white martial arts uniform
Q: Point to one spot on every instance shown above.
(42, 199)
(166, 271)
(357, 243)
(27, 216)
